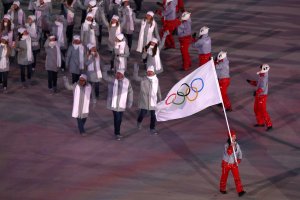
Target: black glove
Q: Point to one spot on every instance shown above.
(194, 35)
(249, 81)
(254, 93)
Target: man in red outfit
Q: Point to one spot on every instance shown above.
(222, 68)
(184, 31)
(261, 95)
(229, 164)
(203, 45)
(169, 22)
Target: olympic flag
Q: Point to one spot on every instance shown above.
(193, 93)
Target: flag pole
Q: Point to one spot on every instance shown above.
(227, 124)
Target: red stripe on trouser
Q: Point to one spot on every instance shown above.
(260, 110)
(204, 58)
(224, 84)
(235, 172)
(184, 48)
(169, 25)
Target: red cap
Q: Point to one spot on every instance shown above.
(232, 132)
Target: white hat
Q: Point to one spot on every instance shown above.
(154, 40)
(120, 36)
(203, 30)
(76, 37)
(7, 16)
(122, 71)
(5, 37)
(21, 30)
(185, 16)
(32, 17)
(93, 3)
(90, 46)
(150, 68)
(125, 0)
(116, 17)
(168, 1)
(90, 15)
(222, 55)
(83, 76)
(264, 68)
(150, 13)
(16, 3)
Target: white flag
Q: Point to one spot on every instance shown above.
(193, 93)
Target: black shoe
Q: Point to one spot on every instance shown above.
(223, 192)
(242, 193)
(269, 128)
(229, 110)
(259, 125)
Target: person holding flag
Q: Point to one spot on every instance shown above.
(229, 163)
(149, 96)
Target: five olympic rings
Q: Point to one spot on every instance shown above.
(184, 92)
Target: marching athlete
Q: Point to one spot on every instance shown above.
(203, 44)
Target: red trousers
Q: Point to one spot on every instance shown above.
(169, 25)
(180, 6)
(235, 172)
(204, 58)
(260, 110)
(184, 48)
(224, 83)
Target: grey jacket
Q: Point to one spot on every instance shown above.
(72, 9)
(55, 32)
(110, 80)
(185, 28)
(14, 14)
(230, 158)
(44, 22)
(51, 58)
(21, 47)
(92, 75)
(262, 83)
(170, 11)
(125, 15)
(85, 35)
(145, 92)
(222, 68)
(203, 44)
(151, 59)
(116, 54)
(72, 60)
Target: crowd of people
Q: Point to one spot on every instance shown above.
(24, 36)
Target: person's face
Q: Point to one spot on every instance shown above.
(233, 138)
(152, 43)
(42, 2)
(82, 81)
(119, 76)
(94, 50)
(6, 20)
(76, 42)
(90, 19)
(114, 21)
(150, 73)
(15, 7)
(148, 18)
(25, 32)
(29, 21)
